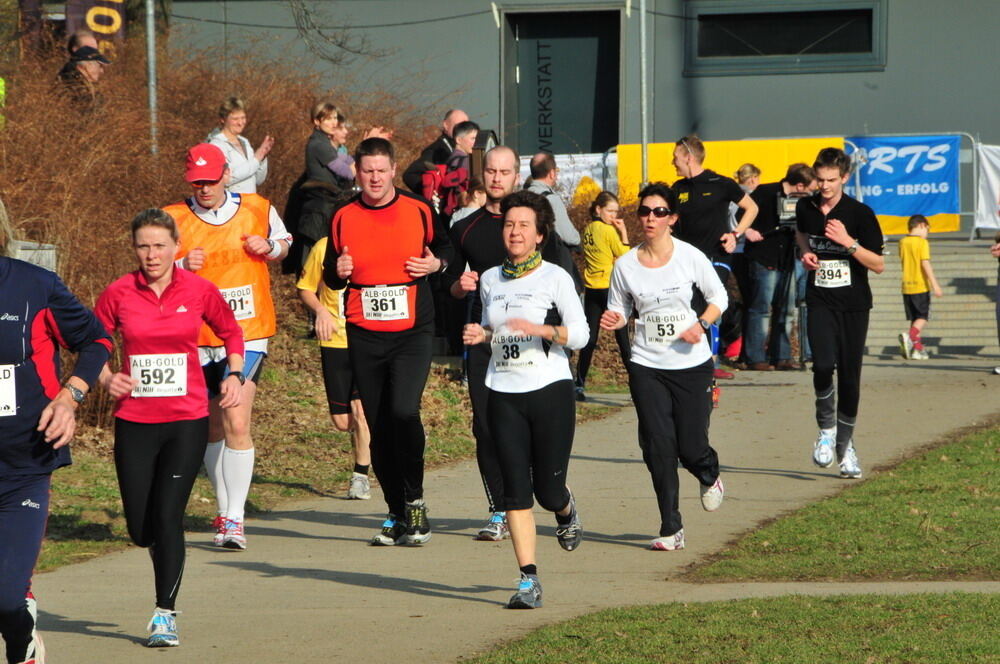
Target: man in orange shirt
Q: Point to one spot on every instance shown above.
(229, 239)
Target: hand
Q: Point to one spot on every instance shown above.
(230, 392)
(325, 326)
(264, 148)
(836, 232)
(995, 250)
(195, 260)
(612, 320)
(810, 261)
(58, 421)
(472, 334)
(378, 132)
(345, 264)
(255, 245)
(753, 235)
(619, 224)
(938, 292)
(119, 385)
(468, 281)
(728, 242)
(523, 327)
(423, 265)
(693, 334)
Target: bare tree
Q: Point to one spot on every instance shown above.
(338, 45)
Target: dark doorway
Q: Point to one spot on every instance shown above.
(561, 81)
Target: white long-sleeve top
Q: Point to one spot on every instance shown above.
(524, 364)
(662, 298)
(246, 173)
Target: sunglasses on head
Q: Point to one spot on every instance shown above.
(658, 212)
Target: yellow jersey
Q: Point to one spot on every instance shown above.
(312, 280)
(912, 251)
(601, 246)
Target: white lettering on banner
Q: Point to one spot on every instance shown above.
(159, 375)
(240, 300)
(922, 188)
(8, 391)
(880, 158)
(385, 303)
(833, 274)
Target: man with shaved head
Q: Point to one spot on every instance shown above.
(477, 241)
(436, 153)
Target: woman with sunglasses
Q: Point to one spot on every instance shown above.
(670, 373)
(603, 240)
(531, 314)
(161, 409)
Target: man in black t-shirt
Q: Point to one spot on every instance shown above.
(840, 241)
(703, 199)
(771, 262)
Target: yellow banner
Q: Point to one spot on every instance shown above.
(940, 223)
(771, 156)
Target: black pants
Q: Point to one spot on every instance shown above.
(486, 450)
(534, 436)
(24, 508)
(156, 466)
(674, 407)
(390, 371)
(837, 340)
(595, 302)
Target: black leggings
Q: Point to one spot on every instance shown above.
(390, 371)
(533, 432)
(157, 465)
(595, 302)
(486, 449)
(837, 340)
(674, 407)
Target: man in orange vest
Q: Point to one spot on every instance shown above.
(229, 239)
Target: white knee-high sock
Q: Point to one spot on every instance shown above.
(237, 471)
(213, 466)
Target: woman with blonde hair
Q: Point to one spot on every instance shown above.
(247, 167)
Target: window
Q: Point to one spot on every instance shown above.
(796, 36)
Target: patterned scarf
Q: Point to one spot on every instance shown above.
(513, 270)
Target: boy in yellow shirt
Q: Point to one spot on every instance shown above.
(918, 282)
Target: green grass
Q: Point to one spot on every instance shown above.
(934, 516)
(867, 629)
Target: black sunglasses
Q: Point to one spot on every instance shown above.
(658, 212)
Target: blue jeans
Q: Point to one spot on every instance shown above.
(768, 286)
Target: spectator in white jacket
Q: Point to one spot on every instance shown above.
(247, 167)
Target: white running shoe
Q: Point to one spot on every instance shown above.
(35, 654)
(234, 538)
(162, 629)
(219, 526)
(850, 468)
(824, 450)
(905, 346)
(360, 488)
(920, 354)
(673, 542)
(711, 496)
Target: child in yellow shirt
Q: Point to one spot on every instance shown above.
(918, 283)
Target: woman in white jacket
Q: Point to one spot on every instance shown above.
(247, 167)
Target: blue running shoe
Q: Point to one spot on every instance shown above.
(528, 595)
(163, 629)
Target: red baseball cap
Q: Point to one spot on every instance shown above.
(204, 162)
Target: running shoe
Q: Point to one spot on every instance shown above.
(495, 529)
(360, 488)
(580, 394)
(850, 468)
(35, 653)
(571, 534)
(162, 629)
(528, 595)
(722, 374)
(219, 526)
(711, 496)
(393, 532)
(919, 354)
(418, 528)
(234, 538)
(673, 542)
(824, 450)
(905, 346)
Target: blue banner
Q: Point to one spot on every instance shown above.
(906, 175)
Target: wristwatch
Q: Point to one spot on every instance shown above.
(705, 325)
(239, 375)
(851, 249)
(75, 392)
